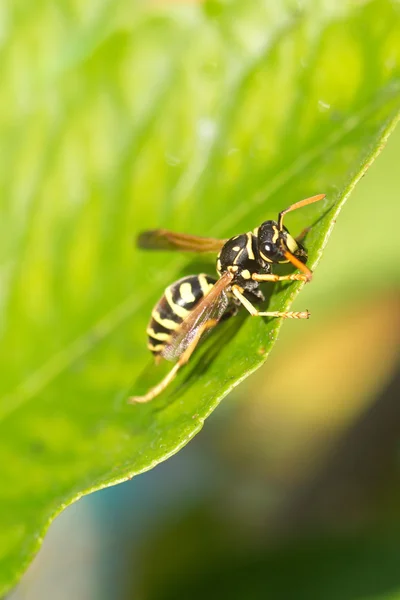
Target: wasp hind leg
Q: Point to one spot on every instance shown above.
(160, 387)
(157, 389)
(256, 313)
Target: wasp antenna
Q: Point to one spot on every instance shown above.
(297, 205)
(298, 264)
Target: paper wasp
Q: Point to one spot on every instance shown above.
(194, 304)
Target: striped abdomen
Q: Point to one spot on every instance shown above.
(177, 302)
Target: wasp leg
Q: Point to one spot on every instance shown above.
(160, 387)
(261, 277)
(157, 389)
(256, 313)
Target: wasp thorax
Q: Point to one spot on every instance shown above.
(273, 243)
(238, 254)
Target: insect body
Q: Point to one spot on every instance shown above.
(176, 304)
(194, 304)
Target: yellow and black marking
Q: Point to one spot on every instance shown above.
(197, 303)
(240, 250)
(178, 301)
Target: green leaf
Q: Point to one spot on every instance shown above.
(204, 118)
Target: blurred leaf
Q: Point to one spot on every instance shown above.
(346, 567)
(117, 117)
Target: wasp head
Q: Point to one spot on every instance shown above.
(276, 245)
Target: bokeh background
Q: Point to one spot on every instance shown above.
(291, 490)
(294, 481)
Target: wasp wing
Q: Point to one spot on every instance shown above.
(163, 239)
(205, 315)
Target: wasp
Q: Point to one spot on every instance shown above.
(197, 303)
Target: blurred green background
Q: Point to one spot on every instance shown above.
(203, 117)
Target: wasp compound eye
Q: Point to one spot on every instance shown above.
(270, 242)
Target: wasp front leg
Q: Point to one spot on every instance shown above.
(263, 277)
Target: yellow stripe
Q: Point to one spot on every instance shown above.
(249, 246)
(155, 348)
(158, 335)
(178, 310)
(265, 257)
(235, 261)
(205, 286)
(276, 234)
(291, 244)
(167, 323)
(185, 290)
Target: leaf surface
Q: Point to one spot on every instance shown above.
(206, 119)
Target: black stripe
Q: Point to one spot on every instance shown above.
(155, 342)
(254, 246)
(193, 281)
(157, 328)
(210, 279)
(166, 312)
(164, 309)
